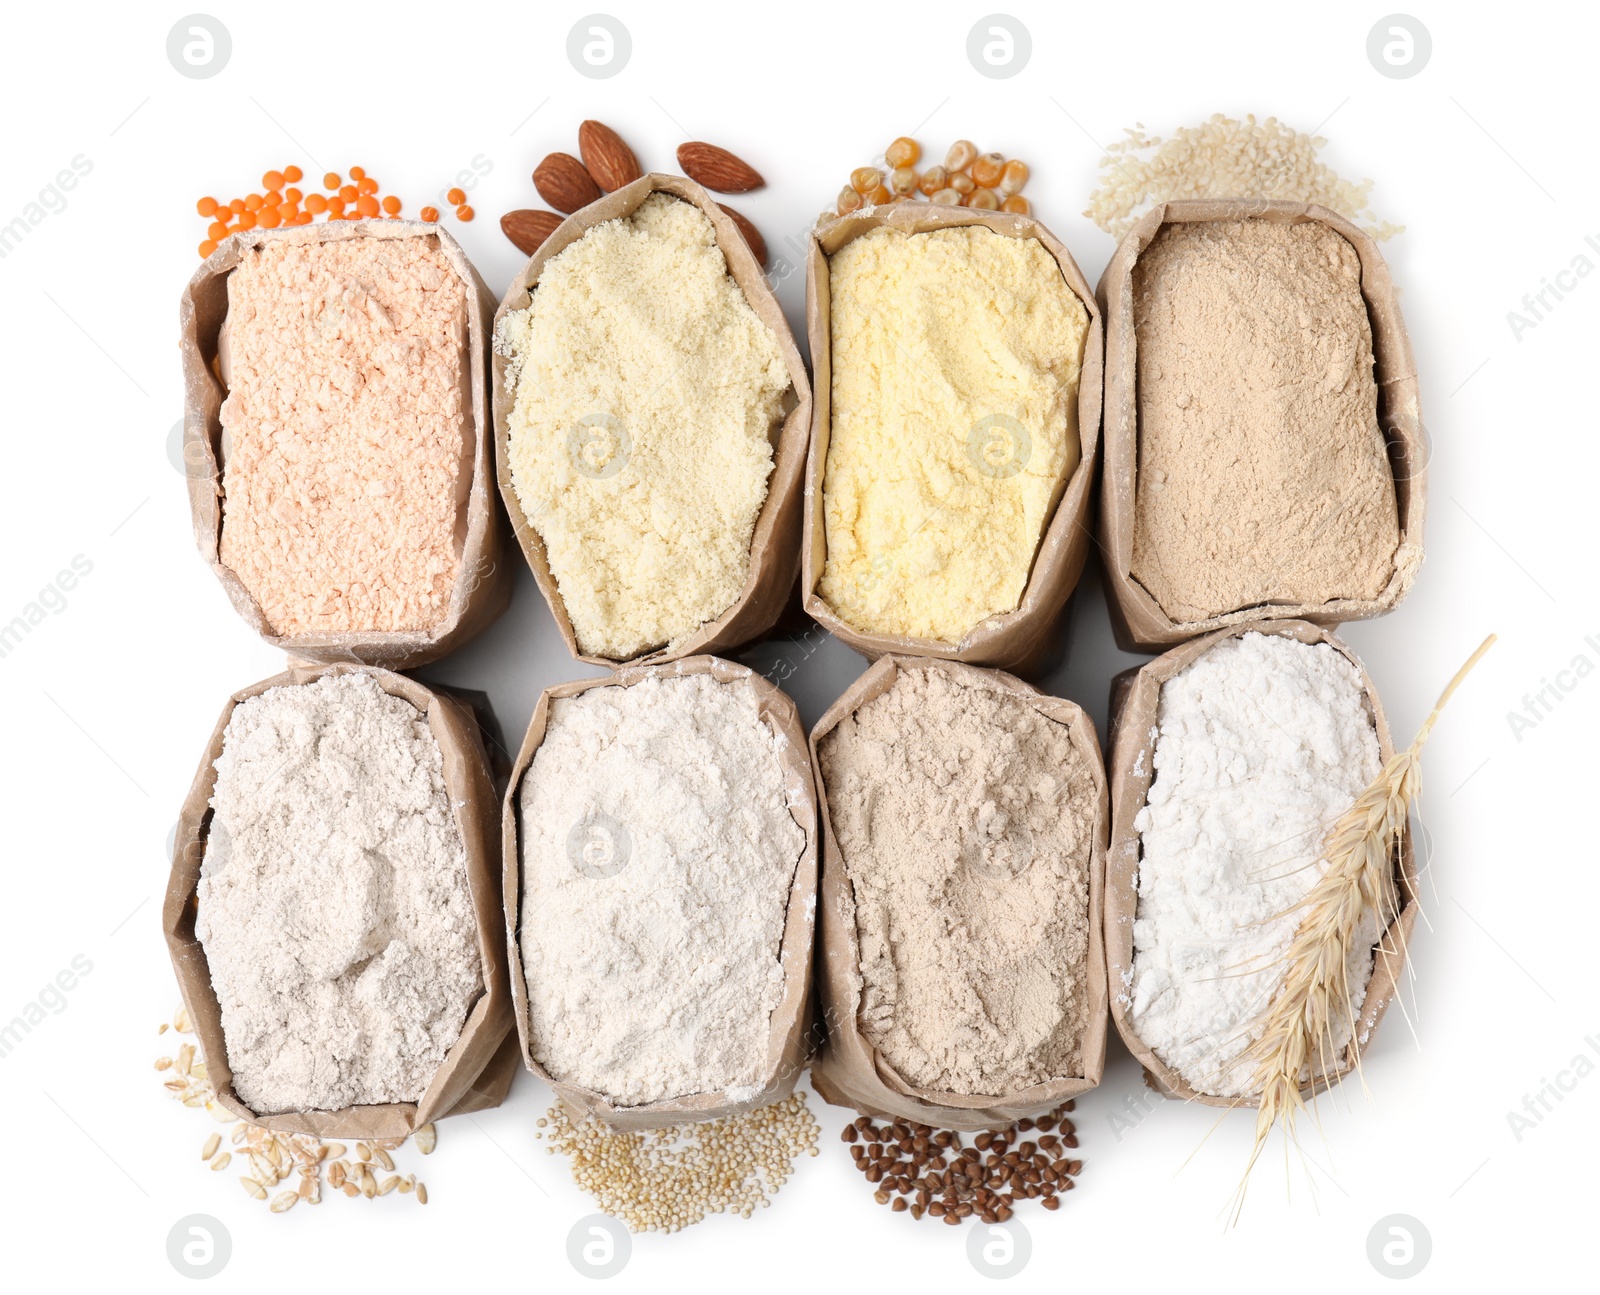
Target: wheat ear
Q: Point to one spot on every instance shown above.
(1296, 1029)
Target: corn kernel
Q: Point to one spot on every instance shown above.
(963, 183)
(1013, 177)
(1017, 205)
(903, 152)
(849, 200)
(961, 155)
(983, 200)
(864, 179)
(933, 179)
(988, 169)
(945, 198)
(903, 180)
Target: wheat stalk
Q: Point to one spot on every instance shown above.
(1296, 1030)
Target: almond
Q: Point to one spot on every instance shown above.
(608, 160)
(528, 228)
(752, 235)
(717, 169)
(563, 183)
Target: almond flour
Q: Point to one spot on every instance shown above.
(348, 421)
(1263, 473)
(333, 901)
(645, 392)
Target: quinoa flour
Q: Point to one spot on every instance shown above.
(1263, 474)
(659, 845)
(1262, 743)
(333, 901)
(965, 818)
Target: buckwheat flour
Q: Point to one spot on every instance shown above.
(658, 849)
(956, 355)
(965, 818)
(645, 389)
(1263, 473)
(333, 901)
(1263, 742)
(347, 414)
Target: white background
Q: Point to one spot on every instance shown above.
(1486, 157)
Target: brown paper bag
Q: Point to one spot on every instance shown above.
(477, 1070)
(483, 584)
(1018, 639)
(1137, 619)
(849, 1071)
(773, 545)
(1136, 696)
(790, 1037)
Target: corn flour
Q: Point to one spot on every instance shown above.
(956, 356)
(645, 390)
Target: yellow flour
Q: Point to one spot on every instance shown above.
(956, 356)
(645, 390)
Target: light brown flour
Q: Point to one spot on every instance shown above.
(965, 820)
(345, 409)
(1263, 473)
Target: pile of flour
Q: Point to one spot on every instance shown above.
(333, 901)
(659, 844)
(966, 821)
(1263, 473)
(1263, 742)
(645, 388)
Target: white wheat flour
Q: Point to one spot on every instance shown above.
(645, 388)
(333, 901)
(659, 844)
(1262, 743)
(966, 821)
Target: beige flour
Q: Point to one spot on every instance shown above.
(333, 901)
(1263, 473)
(965, 818)
(659, 845)
(645, 392)
(956, 356)
(347, 415)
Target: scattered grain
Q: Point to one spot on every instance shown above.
(671, 1178)
(1224, 158)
